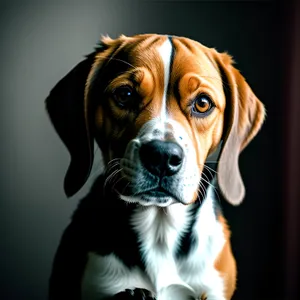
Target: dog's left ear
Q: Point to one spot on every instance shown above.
(245, 115)
(65, 106)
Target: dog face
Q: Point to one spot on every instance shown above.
(159, 106)
(163, 114)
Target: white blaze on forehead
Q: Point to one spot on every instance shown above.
(165, 51)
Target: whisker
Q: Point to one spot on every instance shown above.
(110, 177)
(109, 58)
(210, 172)
(113, 160)
(110, 168)
(201, 190)
(117, 181)
(112, 164)
(210, 184)
(214, 161)
(124, 188)
(211, 169)
(208, 181)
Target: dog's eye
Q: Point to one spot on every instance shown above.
(202, 106)
(124, 96)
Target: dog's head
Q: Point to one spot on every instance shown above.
(159, 106)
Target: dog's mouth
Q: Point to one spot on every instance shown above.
(153, 197)
(158, 192)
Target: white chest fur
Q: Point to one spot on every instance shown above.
(159, 231)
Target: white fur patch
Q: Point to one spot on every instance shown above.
(159, 232)
(165, 51)
(107, 275)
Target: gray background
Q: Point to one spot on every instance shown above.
(40, 43)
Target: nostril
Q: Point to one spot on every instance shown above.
(175, 160)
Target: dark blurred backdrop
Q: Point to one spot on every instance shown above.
(42, 40)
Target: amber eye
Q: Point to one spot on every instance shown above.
(202, 106)
(124, 96)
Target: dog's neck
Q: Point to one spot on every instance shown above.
(168, 236)
(115, 226)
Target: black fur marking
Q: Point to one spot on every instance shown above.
(65, 106)
(188, 240)
(106, 234)
(136, 294)
(171, 61)
(93, 229)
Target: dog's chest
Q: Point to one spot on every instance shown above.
(160, 233)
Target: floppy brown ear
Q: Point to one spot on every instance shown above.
(245, 115)
(65, 106)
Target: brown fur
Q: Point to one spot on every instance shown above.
(225, 263)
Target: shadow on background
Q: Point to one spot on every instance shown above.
(42, 41)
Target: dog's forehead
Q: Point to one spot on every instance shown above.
(183, 55)
(194, 58)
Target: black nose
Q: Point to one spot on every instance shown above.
(161, 158)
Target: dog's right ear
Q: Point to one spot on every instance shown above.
(68, 112)
(65, 106)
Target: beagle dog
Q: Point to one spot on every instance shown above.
(159, 108)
